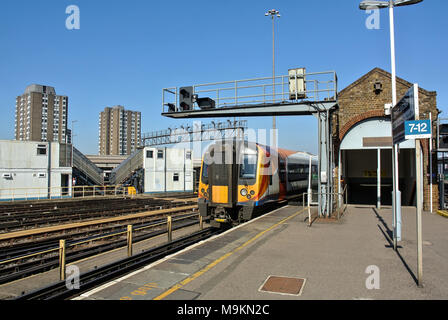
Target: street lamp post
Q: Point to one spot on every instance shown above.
(273, 13)
(373, 4)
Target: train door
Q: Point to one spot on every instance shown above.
(223, 174)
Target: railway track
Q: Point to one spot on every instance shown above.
(26, 248)
(50, 260)
(38, 217)
(64, 230)
(113, 270)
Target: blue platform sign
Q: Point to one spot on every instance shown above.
(404, 110)
(417, 129)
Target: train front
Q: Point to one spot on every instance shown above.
(228, 182)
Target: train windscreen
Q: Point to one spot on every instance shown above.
(204, 172)
(248, 169)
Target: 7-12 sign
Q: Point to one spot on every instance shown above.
(417, 129)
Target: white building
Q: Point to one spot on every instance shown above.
(34, 170)
(168, 170)
(156, 170)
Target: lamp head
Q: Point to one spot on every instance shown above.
(369, 4)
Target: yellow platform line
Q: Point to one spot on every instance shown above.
(443, 213)
(222, 258)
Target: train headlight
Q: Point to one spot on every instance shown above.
(202, 190)
(252, 192)
(243, 192)
(248, 196)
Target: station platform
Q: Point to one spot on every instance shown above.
(329, 260)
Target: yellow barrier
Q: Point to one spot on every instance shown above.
(443, 213)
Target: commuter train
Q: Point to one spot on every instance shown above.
(239, 177)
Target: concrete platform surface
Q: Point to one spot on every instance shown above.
(348, 259)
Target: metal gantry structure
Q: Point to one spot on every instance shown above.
(298, 93)
(196, 132)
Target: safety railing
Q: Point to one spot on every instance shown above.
(339, 206)
(25, 194)
(319, 86)
(87, 167)
(129, 232)
(127, 167)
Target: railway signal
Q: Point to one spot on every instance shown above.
(186, 98)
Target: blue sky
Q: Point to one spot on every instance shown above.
(127, 51)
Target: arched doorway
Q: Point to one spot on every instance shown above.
(365, 162)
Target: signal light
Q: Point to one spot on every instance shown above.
(186, 98)
(171, 107)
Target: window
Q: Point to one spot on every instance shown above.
(297, 171)
(204, 171)
(248, 168)
(41, 149)
(188, 155)
(149, 154)
(175, 177)
(160, 154)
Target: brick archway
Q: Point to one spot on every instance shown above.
(360, 117)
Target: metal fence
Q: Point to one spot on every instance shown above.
(339, 205)
(24, 194)
(87, 167)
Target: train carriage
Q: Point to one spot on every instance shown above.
(238, 177)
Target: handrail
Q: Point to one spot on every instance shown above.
(344, 194)
(127, 167)
(82, 163)
(45, 193)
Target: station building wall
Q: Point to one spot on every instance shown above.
(168, 170)
(360, 101)
(26, 170)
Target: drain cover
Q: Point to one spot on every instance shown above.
(283, 285)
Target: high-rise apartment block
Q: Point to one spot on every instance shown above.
(119, 131)
(41, 115)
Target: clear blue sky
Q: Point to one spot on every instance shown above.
(127, 51)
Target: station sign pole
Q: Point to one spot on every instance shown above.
(418, 129)
(405, 110)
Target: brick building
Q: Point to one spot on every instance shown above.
(41, 115)
(119, 131)
(362, 140)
